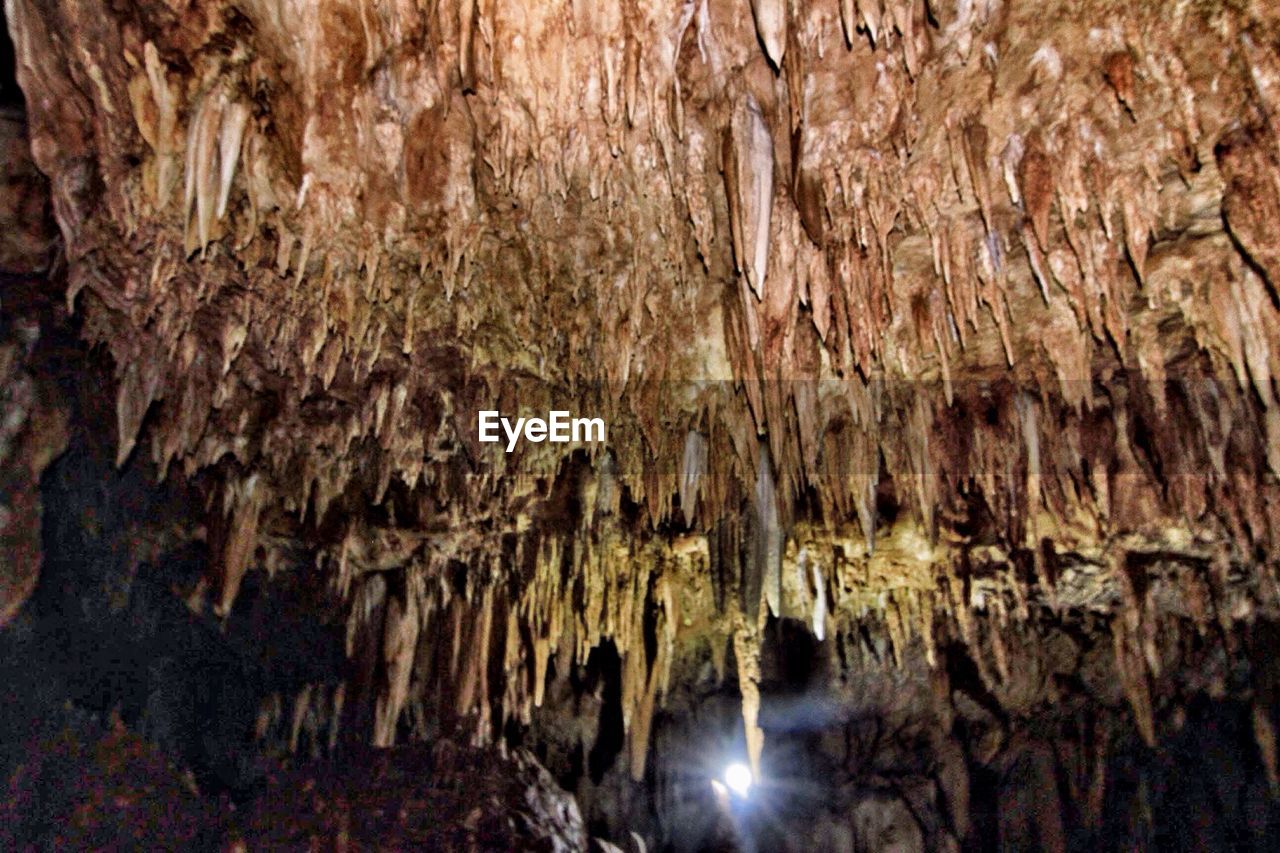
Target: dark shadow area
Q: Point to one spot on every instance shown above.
(10, 94)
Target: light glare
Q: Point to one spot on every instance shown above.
(737, 777)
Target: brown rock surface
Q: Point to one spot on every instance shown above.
(946, 330)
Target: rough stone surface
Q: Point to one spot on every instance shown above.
(96, 789)
(937, 343)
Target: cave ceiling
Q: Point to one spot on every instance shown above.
(868, 294)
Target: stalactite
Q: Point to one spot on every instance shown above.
(642, 721)
(137, 390)
(230, 135)
(240, 541)
(771, 25)
(301, 704)
(748, 169)
(746, 651)
(1133, 676)
(693, 468)
(160, 134)
(202, 173)
(467, 18)
(767, 535)
(820, 603)
(399, 643)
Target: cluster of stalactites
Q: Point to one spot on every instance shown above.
(894, 608)
(979, 256)
(1057, 196)
(577, 593)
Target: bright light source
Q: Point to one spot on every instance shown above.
(737, 777)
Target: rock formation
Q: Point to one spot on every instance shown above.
(936, 340)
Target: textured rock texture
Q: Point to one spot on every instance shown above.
(937, 340)
(94, 789)
(32, 418)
